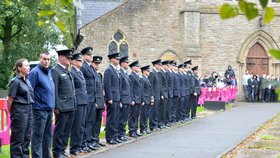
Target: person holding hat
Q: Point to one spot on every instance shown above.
(112, 98)
(78, 127)
(147, 98)
(156, 85)
(64, 103)
(195, 93)
(126, 99)
(136, 99)
(99, 102)
(189, 87)
(90, 77)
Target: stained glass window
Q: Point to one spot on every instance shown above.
(118, 44)
(113, 48)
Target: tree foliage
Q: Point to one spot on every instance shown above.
(28, 27)
(251, 11)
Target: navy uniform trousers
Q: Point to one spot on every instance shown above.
(21, 130)
(133, 118)
(123, 118)
(112, 120)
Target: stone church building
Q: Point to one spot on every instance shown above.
(185, 29)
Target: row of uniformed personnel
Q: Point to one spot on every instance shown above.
(163, 95)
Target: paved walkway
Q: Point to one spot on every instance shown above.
(208, 137)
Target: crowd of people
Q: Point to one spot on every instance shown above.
(147, 99)
(260, 88)
(218, 80)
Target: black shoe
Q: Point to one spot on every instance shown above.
(66, 154)
(101, 144)
(139, 134)
(133, 135)
(92, 147)
(148, 131)
(118, 140)
(126, 137)
(59, 156)
(74, 153)
(86, 150)
(112, 142)
(94, 144)
(123, 139)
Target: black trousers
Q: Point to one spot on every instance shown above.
(62, 129)
(193, 100)
(188, 106)
(154, 114)
(133, 118)
(182, 108)
(97, 125)
(144, 116)
(112, 120)
(78, 128)
(168, 110)
(175, 108)
(161, 113)
(90, 121)
(41, 141)
(123, 118)
(21, 130)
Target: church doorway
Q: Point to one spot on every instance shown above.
(257, 60)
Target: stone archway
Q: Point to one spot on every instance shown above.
(266, 42)
(170, 55)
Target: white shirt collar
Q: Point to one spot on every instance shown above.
(62, 65)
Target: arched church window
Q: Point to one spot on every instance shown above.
(118, 44)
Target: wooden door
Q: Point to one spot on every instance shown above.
(257, 60)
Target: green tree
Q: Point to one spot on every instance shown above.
(25, 30)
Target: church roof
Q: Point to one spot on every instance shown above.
(94, 9)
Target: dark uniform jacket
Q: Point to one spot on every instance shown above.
(191, 81)
(135, 87)
(188, 77)
(182, 84)
(170, 83)
(196, 85)
(156, 85)
(176, 84)
(99, 99)
(125, 88)
(80, 86)
(112, 84)
(21, 91)
(147, 91)
(163, 84)
(64, 89)
(90, 81)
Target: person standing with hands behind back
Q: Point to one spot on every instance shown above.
(20, 99)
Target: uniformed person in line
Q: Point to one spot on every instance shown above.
(196, 92)
(126, 100)
(189, 76)
(78, 127)
(171, 92)
(182, 101)
(156, 85)
(147, 98)
(112, 97)
(65, 104)
(163, 94)
(90, 78)
(136, 99)
(176, 92)
(99, 102)
(20, 99)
